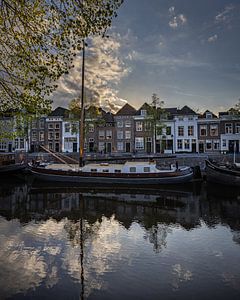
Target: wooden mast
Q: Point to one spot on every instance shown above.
(82, 116)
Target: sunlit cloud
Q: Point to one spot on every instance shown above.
(104, 70)
(176, 19)
(224, 15)
(213, 38)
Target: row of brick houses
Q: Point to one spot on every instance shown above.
(131, 131)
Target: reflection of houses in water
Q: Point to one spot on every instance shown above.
(146, 207)
(11, 197)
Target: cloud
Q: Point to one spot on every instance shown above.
(157, 59)
(213, 38)
(224, 15)
(176, 20)
(104, 69)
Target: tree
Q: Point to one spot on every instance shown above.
(236, 109)
(155, 113)
(38, 42)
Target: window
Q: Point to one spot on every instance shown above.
(146, 169)
(109, 134)
(57, 126)
(34, 136)
(148, 126)
(3, 145)
(74, 128)
(91, 127)
(34, 124)
(128, 123)
(117, 171)
(119, 134)
(228, 128)
(21, 143)
(186, 144)
(213, 130)
(16, 144)
(224, 143)
(190, 130)
(50, 135)
(208, 145)
(91, 140)
(208, 115)
(50, 146)
(101, 134)
(168, 130)
(57, 135)
(203, 130)
(93, 170)
(190, 118)
(41, 125)
(180, 118)
(105, 171)
(132, 169)
(67, 127)
(139, 143)
(139, 126)
(216, 145)
(237, 128)
(143, 112)
(101, 146)
(50, 126)
(180, 131)
(179, 144)
(119, 124)
(127, 135)
(120, 146)
(41, 136)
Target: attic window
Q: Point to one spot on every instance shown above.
(146, 169)
(143, 112)
(105, 171)
(132, 169)
(208, 115)
(93, 170)
(117, 171)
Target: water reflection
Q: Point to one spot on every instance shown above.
(91, 243)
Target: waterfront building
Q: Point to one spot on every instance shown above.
(124, 129)
(208, 132)
(185, 133)
(229, 132)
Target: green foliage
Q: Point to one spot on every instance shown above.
(155, 114)
(38, 41)
(236, 109)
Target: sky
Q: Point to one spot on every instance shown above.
(185, 51)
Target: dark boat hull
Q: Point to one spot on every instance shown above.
(222, 175)
(113, 179)
(11, 168)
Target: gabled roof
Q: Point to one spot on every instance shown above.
(59, 112)
(145, 106)
(107, 116)
(186, 111)
(126, 110)
(204, 115)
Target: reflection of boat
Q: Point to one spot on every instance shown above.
(223, 174)
(105, 173)
(8, 164)
(222, 193)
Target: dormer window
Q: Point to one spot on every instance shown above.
(208, 115)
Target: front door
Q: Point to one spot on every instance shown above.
(128, 147)
(149, 147)
(201, 147)
(57, 147)
(9, 147)
(91, 146)
(194, 148)
(109, 147)
(74, 147)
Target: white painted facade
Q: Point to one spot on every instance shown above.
(186, 133)
(70, 136)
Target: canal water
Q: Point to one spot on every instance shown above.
(61, 242)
